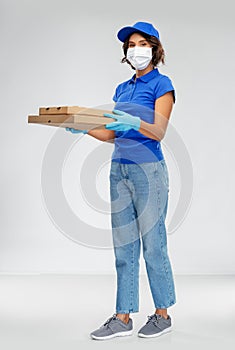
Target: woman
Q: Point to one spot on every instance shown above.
(139, 184)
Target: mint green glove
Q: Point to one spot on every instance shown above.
(124, 121)
(75, 131)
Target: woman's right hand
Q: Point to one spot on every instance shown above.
(76, 131)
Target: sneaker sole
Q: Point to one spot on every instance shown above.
(141, 335)
(120, 334)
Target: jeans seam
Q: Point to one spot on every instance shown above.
(132, 272)
(161, 223)
(170, 291)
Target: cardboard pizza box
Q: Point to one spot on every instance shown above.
(83, 119)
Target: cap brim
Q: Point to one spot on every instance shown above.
(125, 32)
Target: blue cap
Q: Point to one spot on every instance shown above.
(139, 27)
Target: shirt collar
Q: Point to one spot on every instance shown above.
(146, 77)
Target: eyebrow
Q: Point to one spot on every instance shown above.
(138, 41)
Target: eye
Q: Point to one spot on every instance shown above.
(131, 45)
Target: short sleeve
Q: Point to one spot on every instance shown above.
(115, 96)
(165, 85)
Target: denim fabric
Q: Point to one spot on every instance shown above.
(139, 200)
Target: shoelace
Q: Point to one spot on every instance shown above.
(110, 319)
(154, 318)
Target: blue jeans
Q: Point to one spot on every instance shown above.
(139, 200)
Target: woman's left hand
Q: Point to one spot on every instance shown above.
(124, 121)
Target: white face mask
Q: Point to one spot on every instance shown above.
(139, 56)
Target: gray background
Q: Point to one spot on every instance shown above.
(66, 53)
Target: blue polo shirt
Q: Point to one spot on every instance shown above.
(137, 97)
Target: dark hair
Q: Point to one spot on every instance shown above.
(158, 51)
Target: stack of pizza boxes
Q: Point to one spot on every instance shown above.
(72, 117)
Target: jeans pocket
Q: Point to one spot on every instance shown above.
(161, 170)
(113, 172)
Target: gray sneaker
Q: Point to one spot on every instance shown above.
(113, 327)
(155, 326)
